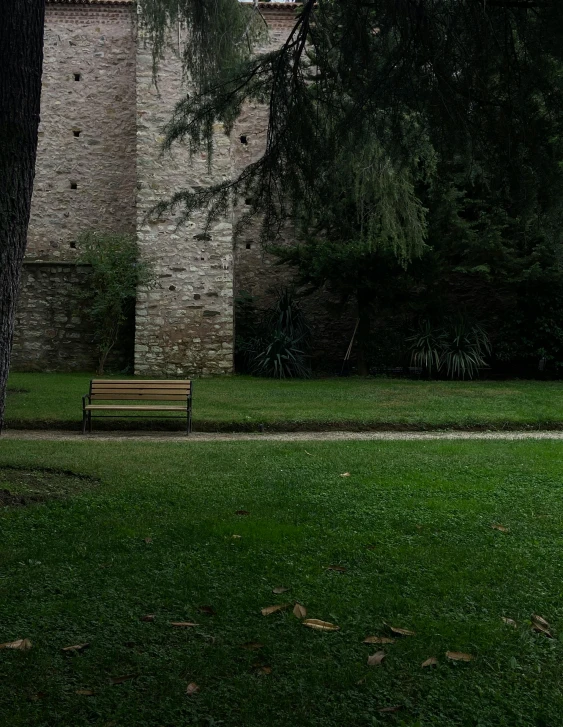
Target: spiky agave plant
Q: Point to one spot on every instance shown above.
(464, 350)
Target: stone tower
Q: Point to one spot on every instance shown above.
(100, 168)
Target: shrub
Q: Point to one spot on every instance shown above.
(109, 298)
(457, 349)
(275, 343)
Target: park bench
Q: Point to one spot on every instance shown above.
(105, 393)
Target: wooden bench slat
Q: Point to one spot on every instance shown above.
(139, 397)
(123, 407)
(139, 382)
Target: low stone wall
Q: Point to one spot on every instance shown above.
(50, 332)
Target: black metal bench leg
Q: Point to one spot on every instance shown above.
(90, 422)
(84, 416)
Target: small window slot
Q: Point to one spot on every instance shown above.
(77, 133)
(73, 185)
(77, 76)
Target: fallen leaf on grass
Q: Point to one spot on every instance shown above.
(262, 668)
(123, 678)
(309, 453)
(345, 474)
(502, 528)
(378, 640)
(20, 644)
(540, 625)
(279, 589)
(509, 622)
(273, 609)
(372, 546)
(400, 632)
(459, 656)
(75, 648)
(149, 617)
(183, 624)
(252, 646)
(208, 610)
(192, 688)
(389, 710)
(148, 540)
(85, 692)
(242, 512)
(236, 537)
(299, 611)
(376, 659)
(432, 661)
(38, 696)
(339, 568)
(315, 623)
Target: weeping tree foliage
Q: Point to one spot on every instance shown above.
(391, 122)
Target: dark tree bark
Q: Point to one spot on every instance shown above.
(21, 62)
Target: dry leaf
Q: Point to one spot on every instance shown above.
(273, 609)
(252, 645)
(502, 528)
(192, 688)
(242, 512)
(279, 589)
(121, 679)
(459, 656)
(182, 624)
(149, 617)
(85, 692)
(345, 474)
(372, 546)
(148, 540)
(208, 610)
(376, 659)
(236, 537)
(378, 640)
(263, 668)
(540, 625)
(314, 623)
(432, 661)
(20, 644)
(510, 622)
(338, 568)
(389, 710)
(401, 632)
(309, 453)
(76, 647)
(299, 611)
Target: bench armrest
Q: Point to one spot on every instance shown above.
(86, 396)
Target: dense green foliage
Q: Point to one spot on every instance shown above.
(417, 148)
(108, 300)
(411, 526)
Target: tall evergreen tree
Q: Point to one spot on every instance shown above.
(394, 123)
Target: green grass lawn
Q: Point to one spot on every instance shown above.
(152, 532)
(244, 403)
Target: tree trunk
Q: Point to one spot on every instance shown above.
(21, 61)
(364, 327)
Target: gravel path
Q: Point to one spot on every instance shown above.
(120, 436)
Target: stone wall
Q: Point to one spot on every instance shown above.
(85, 173)
(51, 334)
(185, 325)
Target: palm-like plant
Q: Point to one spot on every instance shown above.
(458, 349)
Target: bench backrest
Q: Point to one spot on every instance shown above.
(130, 390)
